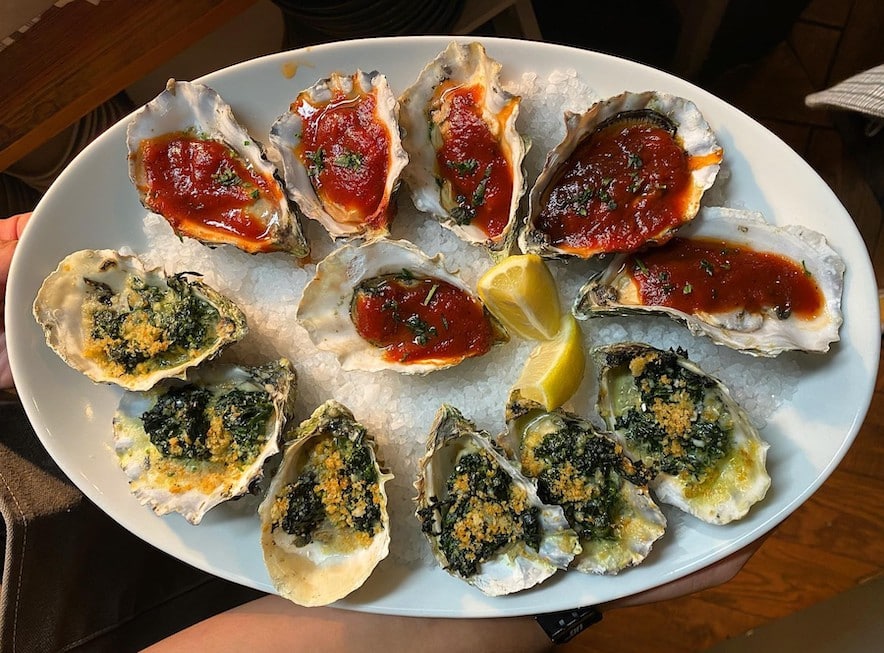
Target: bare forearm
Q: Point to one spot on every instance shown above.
(274, 624)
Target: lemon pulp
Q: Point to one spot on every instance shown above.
(521, 292)
(555, 368)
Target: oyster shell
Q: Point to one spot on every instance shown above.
(465, 153)
(195, 165)
(189, 446)
(629, 172)
(482, 517)
(324, 522)
(386, 305)
(108, 317)
(726, 300)
(684, 425)
(604, 495)
(342, 153)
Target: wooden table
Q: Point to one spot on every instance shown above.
(78, 56)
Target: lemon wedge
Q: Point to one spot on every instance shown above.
(521, 292)
(555, 368)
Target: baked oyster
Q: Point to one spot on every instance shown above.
(731, 276)
(324, 522)
(386, 305)
(482, 517)
(681, 423)
(629, 172)
(113, 320)
(603, 493)
(194, 164)
(188, 446)
(465, 154)
(342, 153)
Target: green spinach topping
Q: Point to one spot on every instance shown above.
(244, 415)
(483, 513)
(178, 423)
(336, 491)
(304, 510)
(147, 323)
(184, 423)
(582, 472)
(678, 423)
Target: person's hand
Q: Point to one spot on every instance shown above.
(10, 231)
(715, 574)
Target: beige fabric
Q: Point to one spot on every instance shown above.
(863, 92)
(73, 579)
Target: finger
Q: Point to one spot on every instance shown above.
(12, 227)
(5, 372)
(711, 576)
(7, 247)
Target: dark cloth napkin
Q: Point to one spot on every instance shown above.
(73, 579)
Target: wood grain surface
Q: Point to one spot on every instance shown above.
(88, 53)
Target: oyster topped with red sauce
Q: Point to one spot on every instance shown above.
(465, 153)
(629, 172)
(387, 305)
(194, 164)
(732, 276)
(342, 154)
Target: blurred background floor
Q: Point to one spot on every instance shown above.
(825, 562)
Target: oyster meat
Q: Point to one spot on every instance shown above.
(733, 277)
(324, 522)
(386, 305)
(465, 154)
(108, 317)
(629, 172)
(341, 153)
(189, 446)
(603, 493)
(683, 425)
(194, 164)
(482, 516)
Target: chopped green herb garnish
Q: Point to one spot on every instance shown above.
(225, 176)
(349, 160)
(430, 294)
(466, 167)
(316, 162)
(421, 330)
(479, 193)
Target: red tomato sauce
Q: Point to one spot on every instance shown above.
(417, 319)
(345, 149)
(202, 185)
(471, 159)
(623, 185)
(716, 277)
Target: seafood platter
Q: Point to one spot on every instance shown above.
(245, 323)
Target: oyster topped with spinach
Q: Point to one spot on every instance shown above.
(683, 424)
(604, 495)
(324, 522)
(116, 322)
(482, 516)
(189, 446)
